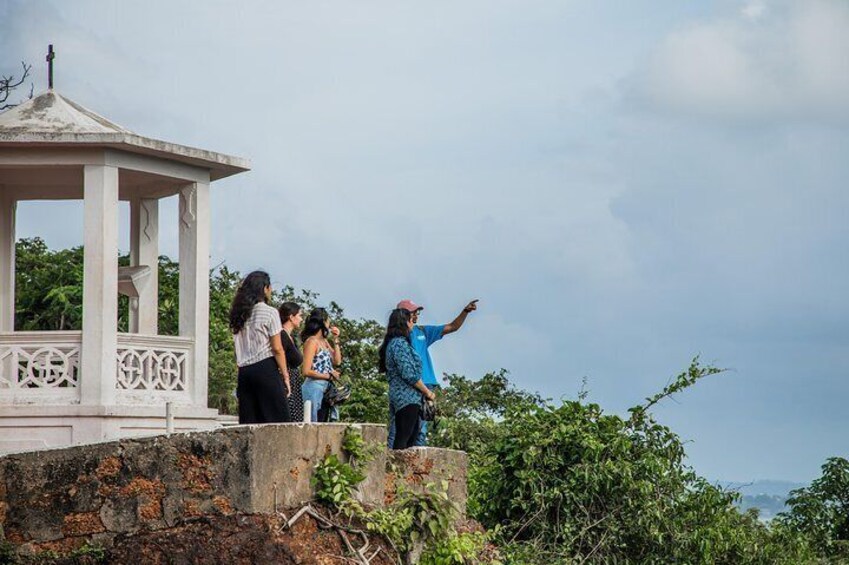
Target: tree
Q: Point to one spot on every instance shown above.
(9, 83)
(470, 411)
(820, 512)
(48, 287)
(569, 483)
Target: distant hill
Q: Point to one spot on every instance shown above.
(768, 496)
(763, 486)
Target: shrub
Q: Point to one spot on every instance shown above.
(570, 482)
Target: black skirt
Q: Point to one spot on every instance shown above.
(296, 399)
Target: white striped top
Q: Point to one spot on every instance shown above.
(253, 343)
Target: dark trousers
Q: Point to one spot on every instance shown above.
(262, 396)
(406, 426)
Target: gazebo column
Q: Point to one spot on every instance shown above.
(144, 250)
(7, 261)
(194, 283)
(98, 363)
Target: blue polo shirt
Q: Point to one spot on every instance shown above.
(423, 337)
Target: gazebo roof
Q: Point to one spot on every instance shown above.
(52, 120)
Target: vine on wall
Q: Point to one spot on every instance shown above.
(419, 525)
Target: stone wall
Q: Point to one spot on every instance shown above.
(60, 499)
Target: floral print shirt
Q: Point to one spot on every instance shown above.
(403, 369)
(322, 361)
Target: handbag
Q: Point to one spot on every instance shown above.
(428, 412)
(335, 394)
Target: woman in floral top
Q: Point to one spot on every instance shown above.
(403, 368)
(319, 359)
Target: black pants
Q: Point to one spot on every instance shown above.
(407, 425)
(262, 396)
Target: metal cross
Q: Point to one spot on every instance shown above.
(50, 56)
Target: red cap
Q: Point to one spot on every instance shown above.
(409, 306)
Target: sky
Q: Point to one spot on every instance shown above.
(623, 185)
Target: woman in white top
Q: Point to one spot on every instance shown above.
(263, 379)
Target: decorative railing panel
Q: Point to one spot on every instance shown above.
(151, 369)
(153, 366)
(40, 366)
(44, 368)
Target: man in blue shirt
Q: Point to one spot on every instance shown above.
(422, 337)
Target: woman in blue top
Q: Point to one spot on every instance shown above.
(403, 368)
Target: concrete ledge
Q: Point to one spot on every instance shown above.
(58, 498)
(111, 411)
(27, 428)
(283, 458)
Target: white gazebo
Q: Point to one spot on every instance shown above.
(69, 387)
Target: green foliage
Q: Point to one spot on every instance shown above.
(48, 287)
(7, 551)
(470, 411)
(433, 514)
(416, 518)
(222, 366)
(394, 521)
(695, 372)
(820, 512)
(334, 480)
(570, 482)
(457, 549)
(426, 521)
(87, 554)
(360, 452)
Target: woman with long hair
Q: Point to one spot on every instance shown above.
(319, 359)
(263, 380)
(292, 317)
(403, 368)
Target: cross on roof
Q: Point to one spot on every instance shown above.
(50, 56)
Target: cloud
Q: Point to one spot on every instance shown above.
(754, 10)
(785, 61)
(449, 151)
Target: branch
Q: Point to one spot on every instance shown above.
(8, 84)
(685, 380)
(596, 548)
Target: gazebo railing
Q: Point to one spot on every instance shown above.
(44, 368)
(152, 367)
(38, 367)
